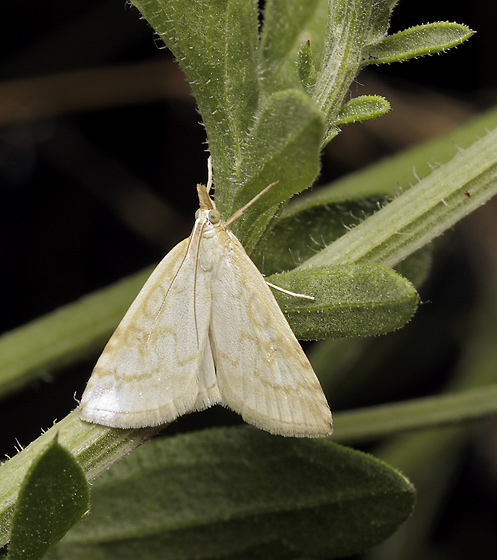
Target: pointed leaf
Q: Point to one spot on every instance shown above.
(362, 108)
(331, 132)
(239, 493)
(283, 146)
(215, 43)
(54, 496)
(417, 41)
(349, 300)
(287, 24)
(305, 67)
(352, 25)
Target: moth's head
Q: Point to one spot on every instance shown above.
(207, 208)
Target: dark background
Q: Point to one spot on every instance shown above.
(100, 147)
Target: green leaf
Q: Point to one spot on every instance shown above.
(417, 41)
(286, 27)
(283, 146)
(304, 229)
(215, 43)
(239, 493)
(286, 128)
(315, 219)
(362, 108)
(305, 67)
(54, 496)
(359, 109)
(352, 25)
(379, 19)
(348, 24)
(95, 448)
(350, 300)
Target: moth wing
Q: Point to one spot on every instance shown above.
(262, 371)
(158, 363)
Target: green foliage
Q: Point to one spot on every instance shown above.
(269, 105)
(256, 134)
(349, 300)
(53, 497)
(270, 99)
(313, 227)
(420, 214)
(432, 457)
(240, 493)
(417, 41)
(362, 108)
(289, 27)
(356, 31)
(285, 136)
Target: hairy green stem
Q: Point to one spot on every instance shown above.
(420, 214)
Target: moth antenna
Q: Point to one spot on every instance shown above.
(288, 292)
(209, 174)
(241, 210)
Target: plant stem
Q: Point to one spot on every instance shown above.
(422, 213)
(376, 422)
(95, 447)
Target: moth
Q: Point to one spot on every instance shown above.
(206, 329)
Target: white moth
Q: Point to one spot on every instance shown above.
(206, 329)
